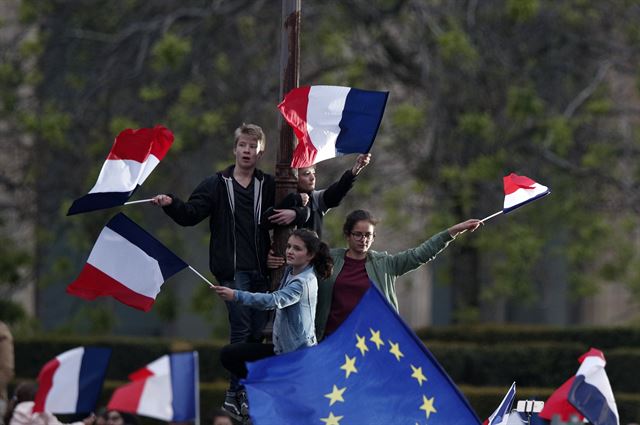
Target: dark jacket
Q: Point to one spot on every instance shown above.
(214, 198)
(321, 201)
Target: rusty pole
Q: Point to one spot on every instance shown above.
(289, 79)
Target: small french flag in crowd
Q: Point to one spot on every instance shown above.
(591, 392)
(166, 389)
(587, 394)
(126, 263)
(501, 415)
(134, 155)
(520, 190)
(332, 120)
(71, 383)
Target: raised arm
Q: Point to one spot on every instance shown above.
(192, 212)
(279, 299)
(335, 193)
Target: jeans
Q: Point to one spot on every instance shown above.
(245, 323)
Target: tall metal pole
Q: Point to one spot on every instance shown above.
(289, 79)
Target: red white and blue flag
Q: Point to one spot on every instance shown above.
(520, 190)
(587, 394)
(71, 383)
(332, 120)
(134, 155)
(166, 389)
(591, 392)
(126, 263)
(501, 415)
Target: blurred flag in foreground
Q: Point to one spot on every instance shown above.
(126, 263)
(372, 370)
(591, 391)
(165, 389)
(587, 394)
(332, 120)
(520, 190)
(501, 415)
(133, 156)
(71, 383)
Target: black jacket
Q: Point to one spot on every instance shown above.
(321, 201)
(213, 198)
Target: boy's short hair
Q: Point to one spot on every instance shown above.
(252, 130)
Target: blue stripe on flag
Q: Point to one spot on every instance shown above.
(169, 262)
(360, 121)
(515, 207)
(99, 201)
(183, 386)
(591, 402)
(92, 371)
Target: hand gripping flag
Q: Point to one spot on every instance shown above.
(332, 120)
(126, 263)
(372, 370)
(166, 389)
(134, 155)
(520, 190)
(501, 415)
(71, 383)
(587, 394)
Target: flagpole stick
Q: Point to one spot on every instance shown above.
(491, 216)
(138, 202)
(201, 277)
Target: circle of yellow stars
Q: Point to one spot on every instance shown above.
(349, 367)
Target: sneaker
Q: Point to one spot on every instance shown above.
(243, 401)
(231, 405)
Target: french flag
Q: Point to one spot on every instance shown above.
(591, 392)
(520, 190)
(332, 120)
(501, 415)
(126, 263)
(134, 155)
(166, 389)
(71, 382)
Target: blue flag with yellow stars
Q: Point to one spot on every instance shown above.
(372, 370)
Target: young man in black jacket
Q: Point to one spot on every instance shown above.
(235, 200)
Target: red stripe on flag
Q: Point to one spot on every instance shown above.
(140, 374)
(138, 144)
(45, 382)
(513, 182)
(127, 397)
(294, 110)
(93, 283)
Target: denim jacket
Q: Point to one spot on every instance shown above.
(295, 304)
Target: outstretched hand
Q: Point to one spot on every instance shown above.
(162, 200)
(471, 224)
(225, 293)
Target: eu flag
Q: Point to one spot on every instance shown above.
(372, 370)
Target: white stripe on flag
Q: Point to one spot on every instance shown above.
(523, 195)
(594, 374)
(63, 396)
(156, 399)
(118, 175)
(160, 367)
(324, 114)
(149, 165)
(127, 263)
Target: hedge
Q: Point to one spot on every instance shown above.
(598, 337)
(531, 364)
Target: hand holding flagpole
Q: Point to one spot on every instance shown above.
(139, 201)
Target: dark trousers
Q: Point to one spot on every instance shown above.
(234, 356)
(246, 324)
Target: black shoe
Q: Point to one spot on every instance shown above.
(231, 405)
(243, 401)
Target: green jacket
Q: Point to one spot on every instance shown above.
(383, 269)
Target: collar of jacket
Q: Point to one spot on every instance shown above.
(228, 173)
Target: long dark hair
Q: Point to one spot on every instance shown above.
(322, 261)
(25, 391)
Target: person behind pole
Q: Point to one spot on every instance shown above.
(308, 258)
(322, 200)
(20, 409)
(235, 200)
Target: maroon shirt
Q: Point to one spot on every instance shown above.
(349, 287)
